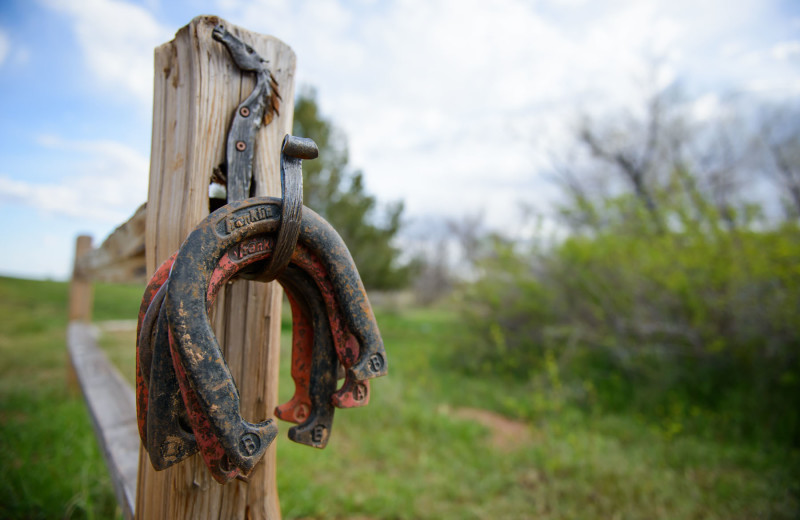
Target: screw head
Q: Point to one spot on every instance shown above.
(244, 111)
(241, 146)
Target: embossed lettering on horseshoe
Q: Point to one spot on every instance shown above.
(250, 443)
(318, 433)
(360, 392)
(375, 363)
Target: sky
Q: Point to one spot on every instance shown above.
(454, 107)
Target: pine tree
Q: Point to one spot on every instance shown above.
(336, 192)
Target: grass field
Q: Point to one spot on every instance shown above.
(433, 443)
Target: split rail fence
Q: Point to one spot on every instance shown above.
(109, 397)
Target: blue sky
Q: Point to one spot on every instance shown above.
(426, 91)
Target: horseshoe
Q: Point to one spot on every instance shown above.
(315, 430)
(171, 436)
(353, 393)
(196, 347)
(226, 220)
(316, 385)
(143, 350)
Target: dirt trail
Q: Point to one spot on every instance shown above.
(507, 434)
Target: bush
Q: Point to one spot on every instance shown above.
(695, 317)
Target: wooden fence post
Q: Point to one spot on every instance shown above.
(197, 88)
(80, 288)
(80, 300)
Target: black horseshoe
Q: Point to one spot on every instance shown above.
(170, 439)
(316, 429)
(195, 343)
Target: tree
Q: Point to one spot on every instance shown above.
(780, 138)
(336, 192)
(674, 289)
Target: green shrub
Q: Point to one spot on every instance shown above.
(697, 317)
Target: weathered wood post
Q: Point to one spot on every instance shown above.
(80, 288)
(197, 88)
(80, 299)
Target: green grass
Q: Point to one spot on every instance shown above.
(51, 466)
(411, 453)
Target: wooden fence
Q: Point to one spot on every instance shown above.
(109, 398)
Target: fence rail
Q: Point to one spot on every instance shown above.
(109, 398)
(112, 406)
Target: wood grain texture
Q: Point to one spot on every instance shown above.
(80, 301)
(120, 258)
(80, 289)
(112, 408)
(197, 88)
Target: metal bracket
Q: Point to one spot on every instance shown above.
(259, 106)
(293, 151)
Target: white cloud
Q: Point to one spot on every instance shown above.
(786, 50)
(117, 39)
(706, 108)
(22, 56)
(448, 94)
(4, 46)
(106, 183)
(55, 262)
(439, 99)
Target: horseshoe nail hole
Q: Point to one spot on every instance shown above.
(184, 425)
(225, 464)
(360, 392)
(301, 412)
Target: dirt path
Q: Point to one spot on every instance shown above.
(507, 434)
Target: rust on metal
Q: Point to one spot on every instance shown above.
(235, 237)
(187, 400)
